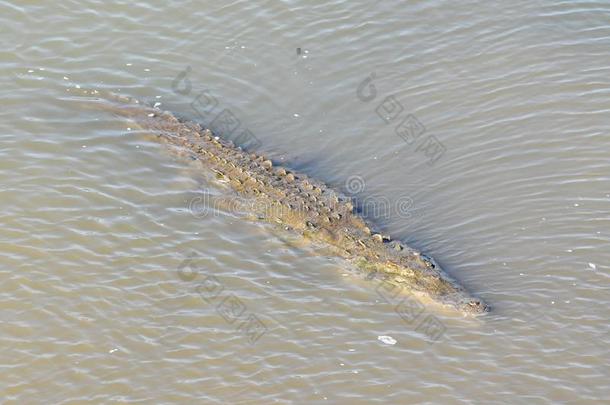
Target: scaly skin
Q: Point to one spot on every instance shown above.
(303, 205)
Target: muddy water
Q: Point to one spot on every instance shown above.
(482, 127)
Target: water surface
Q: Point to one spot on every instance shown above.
(96, 220)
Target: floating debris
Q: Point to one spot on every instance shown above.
(388, 340)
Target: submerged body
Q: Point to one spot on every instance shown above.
(303, 205)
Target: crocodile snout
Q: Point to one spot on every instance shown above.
(477, 306)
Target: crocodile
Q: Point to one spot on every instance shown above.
(303, 205)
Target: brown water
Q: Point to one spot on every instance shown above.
(501, 174)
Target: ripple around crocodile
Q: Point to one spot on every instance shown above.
(303, 205)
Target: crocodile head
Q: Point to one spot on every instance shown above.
(440, 287)
(417, 274)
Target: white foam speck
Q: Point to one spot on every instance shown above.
(66, 78)
(576, 204)
(113, 350)
(295, 115)
(157, 104)
(128, 64)
(388, 340)
(151, 115)
(147, 70)
(593, 266)
(30, 71)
